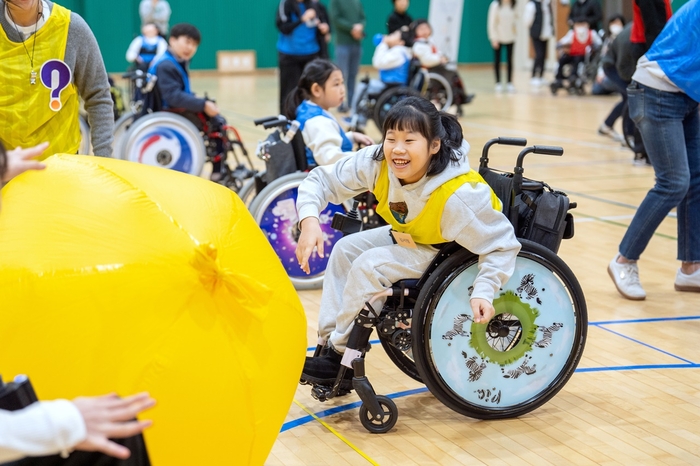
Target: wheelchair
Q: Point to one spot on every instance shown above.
(271, 198)
(503, 369)
(168, 139)
(375, 101)
(578, 77)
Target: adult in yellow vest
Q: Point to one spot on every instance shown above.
(48, 59)
(427, 194)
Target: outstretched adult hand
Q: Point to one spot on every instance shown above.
(20, 160)
(108, 417)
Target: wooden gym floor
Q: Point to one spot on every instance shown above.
(635, 398)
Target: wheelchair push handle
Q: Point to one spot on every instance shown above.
(518, 170)
(484, 160)
(276, 123)
(263, 120)
(548, 150)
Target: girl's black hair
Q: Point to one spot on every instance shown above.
(617, 17)
(3, 162)
(316, 71)
(512, 3)
(419, 115)
(414, 25)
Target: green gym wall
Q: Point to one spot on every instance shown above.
(250, 25)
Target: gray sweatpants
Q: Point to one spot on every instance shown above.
(360, 266)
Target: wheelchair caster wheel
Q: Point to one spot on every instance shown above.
(389, 416)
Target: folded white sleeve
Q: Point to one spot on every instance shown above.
(44, 428)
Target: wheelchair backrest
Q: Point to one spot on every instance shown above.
(281, 157)
(417, 76)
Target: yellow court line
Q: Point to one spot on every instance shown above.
(336, 433)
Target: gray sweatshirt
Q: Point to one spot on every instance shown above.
(468, 218)
(84, 59)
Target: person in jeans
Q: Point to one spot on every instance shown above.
(348, 21)
(663, 101)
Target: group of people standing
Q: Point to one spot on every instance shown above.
(305, 29)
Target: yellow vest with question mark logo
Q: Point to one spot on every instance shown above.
(47, 110)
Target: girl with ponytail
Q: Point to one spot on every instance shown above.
(428, 195)
(321, 87)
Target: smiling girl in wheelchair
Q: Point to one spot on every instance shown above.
(429, 195)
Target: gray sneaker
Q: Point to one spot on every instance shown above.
(687, 282)
(626, 279)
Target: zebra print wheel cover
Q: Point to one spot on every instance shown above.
(499, 372)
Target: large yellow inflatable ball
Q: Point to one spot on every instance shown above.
(117, 276)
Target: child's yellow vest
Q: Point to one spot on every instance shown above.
(48, 109)
(425, 227)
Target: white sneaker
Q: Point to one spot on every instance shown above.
(510, 88)
(536, 82)
(626, 279)
(498, 87)
(687, 282)
(606, 130)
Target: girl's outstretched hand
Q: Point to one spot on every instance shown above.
(311, 236)
(483, 310)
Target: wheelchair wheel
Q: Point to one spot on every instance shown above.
(519, 360)
(390, 414)
(388, 99)
(247, 191)
(165, 140)
(439, 92)
(85, 143)
(274, 210)
(121, 126)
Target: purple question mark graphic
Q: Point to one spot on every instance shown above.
(56, 76)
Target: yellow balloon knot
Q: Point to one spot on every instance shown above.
(214, 277)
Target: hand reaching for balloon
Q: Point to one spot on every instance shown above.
(311, 236)
(108, 417)
(20, 160)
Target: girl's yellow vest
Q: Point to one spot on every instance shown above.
(425, 227)
(47, 110)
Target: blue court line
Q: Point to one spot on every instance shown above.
(339, 409)
(642, 321)
(638, 367)
(689, 365)
(644, 344)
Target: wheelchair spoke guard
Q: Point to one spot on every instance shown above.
(516, 362)
(165, 140)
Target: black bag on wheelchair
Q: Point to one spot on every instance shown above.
(543, 217)
(538, 213)
(282, 158)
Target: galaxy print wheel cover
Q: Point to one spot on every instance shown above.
(279, 222)
(519, 353)
(166, 147)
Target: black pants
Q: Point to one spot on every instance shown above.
(291, 67)
(139, 457)
(540, 47)
(567, 59)
(509, 61)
